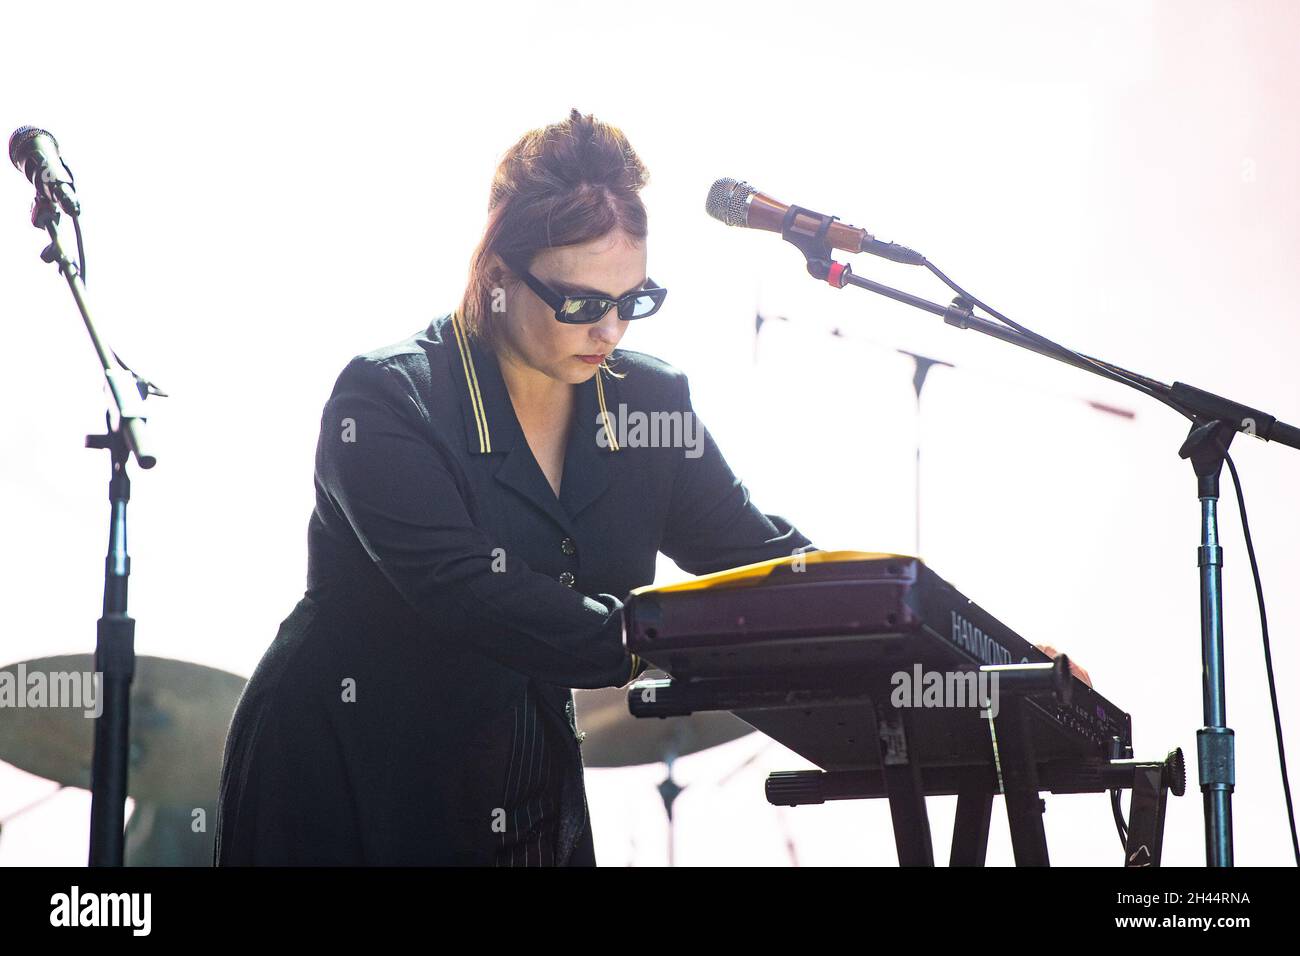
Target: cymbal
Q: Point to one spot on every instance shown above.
(617, 739)
(161, 835)
(180, 713)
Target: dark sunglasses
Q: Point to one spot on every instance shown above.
(587, 309)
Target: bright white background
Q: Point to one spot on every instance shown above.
(271, 189)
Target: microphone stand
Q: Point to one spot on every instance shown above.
(921, 366)
(115, 631)
(1215, 421)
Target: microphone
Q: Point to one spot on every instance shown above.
(36, 155)
(740, 204)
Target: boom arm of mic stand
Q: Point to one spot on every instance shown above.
(127, 399)
(1194, 402)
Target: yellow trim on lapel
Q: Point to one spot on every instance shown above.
(604, 413)
(475, 395)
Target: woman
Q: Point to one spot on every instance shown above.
(477, 519)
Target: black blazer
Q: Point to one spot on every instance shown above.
(416, 707)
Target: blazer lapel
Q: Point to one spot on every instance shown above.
(586, 462)
(492, 428)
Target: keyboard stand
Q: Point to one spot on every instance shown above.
(906, 794)
(891, 769)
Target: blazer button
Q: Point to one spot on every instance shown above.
(567, 578)
(568, 547)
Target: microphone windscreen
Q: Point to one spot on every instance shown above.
(728, 201)
(24, 135)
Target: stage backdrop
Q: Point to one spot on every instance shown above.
(270, 190)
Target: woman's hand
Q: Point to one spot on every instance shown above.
(1075, 669)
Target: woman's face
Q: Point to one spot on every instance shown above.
(612, 265)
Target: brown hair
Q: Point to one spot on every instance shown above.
(559, 185)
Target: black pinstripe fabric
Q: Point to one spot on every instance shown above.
(531, 807)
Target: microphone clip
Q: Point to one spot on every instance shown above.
(815, 247)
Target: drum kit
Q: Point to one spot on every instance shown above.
(180, 713)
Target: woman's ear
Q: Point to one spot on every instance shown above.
(498, 272)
